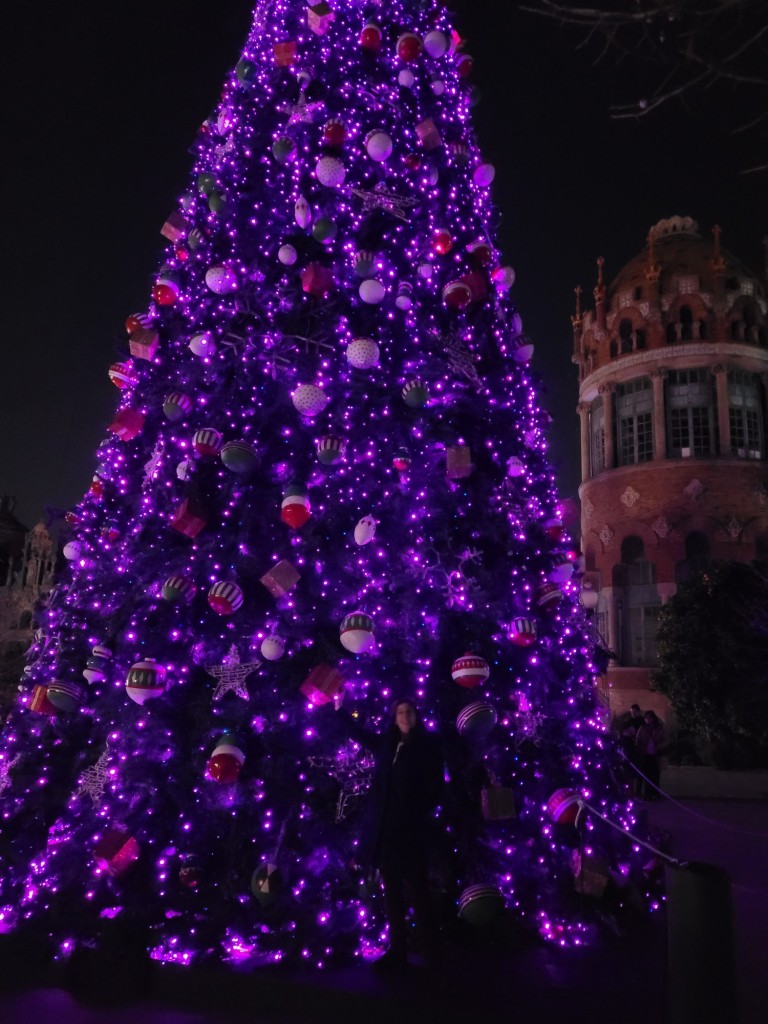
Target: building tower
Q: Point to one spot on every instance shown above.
(673, 376)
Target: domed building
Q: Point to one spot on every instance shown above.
(673, 372)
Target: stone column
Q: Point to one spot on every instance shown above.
(659, 414)
(608, 391)
(583, 410)
(723, 418)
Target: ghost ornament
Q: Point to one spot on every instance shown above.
(303, 212)
(365, 531)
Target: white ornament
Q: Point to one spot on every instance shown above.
(372, 291)
(287, 255)
(378, 145)
(484, 174)
(363, 354)
(365, 531)
(435, 43)
(73, 550)
(309, 399)
(330, 171)
(561, 572)
(273, 647)
(221, 280)
(425, 270)
(406, 78)
(515, 466)
(302, 212)
(184, 469)
(503, 278)
(202, 344)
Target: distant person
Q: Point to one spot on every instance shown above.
(627, 727)
(648, 742)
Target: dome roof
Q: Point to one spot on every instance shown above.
(680, 251)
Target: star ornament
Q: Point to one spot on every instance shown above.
(5, 772)
(94, 779)
(352, 768)
(231, 674)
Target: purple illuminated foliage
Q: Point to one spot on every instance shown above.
(268, 276)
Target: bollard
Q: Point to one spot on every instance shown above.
(700, 945)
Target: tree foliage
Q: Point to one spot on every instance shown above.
(713, 661)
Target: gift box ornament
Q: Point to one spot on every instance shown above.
(458, 462)
(39, 702)
(143, 343)
(285, 53)
(428, 134)
(590, 873)
(322, 684)
(116, 851)
(175, 227)
(320, 17)
(189, 518)
(281, 578)
(497, 802)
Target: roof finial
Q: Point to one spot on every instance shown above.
(717, 257)
(576, 318)
(600, 262)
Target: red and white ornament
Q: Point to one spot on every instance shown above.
(356, 632)
(370, 37)
(177, 406)
(95, 670)
(480, 252)
(442, 242)
(137, 322)
(465, 65)
(408, 46)
(470, 670)
(363, 354)
(402, 460)
(145, 681)
(295, 510)
(226, 761)
(309, 399)
(207, 441)
(503, 278)
(457, 294)
(330, 449)
(225, 598)
(554, 529)
(127, 424)
(548, 596)
(123, 375)
(522, 632)
(334, 132)
(564, 807)
(166, 290)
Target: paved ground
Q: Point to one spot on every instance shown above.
(625, 981)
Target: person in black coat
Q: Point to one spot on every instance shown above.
(398, 838)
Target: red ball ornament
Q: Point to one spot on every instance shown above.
(137, 321)
(122, 375)
(442, 243)
(564, 807)
(295, 511)
(465, 65)
(457, 294)
(480, 251)
(182, 254)
(226, 761)
(402, 460)
(97, 486)
(408, 46)
(334, 132)
(370, 37)
(470, 670)
(207, 441)
(412, 161)
(554, 529)
(165, 294)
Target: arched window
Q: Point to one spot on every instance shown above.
(614, 349)
(697, 556)
(691, 414)
(686, 323)
(745, 414)
(640, 342)
(625, 336)
(596, 437)
(637, 604)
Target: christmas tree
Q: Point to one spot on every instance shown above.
(326, 474)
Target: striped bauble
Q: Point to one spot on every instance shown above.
(239, 457)
(207, 441)
(330, 449)
(145, 681)
(522, 632)
(65, 696)
(564, 807)
(178, 590)
(476, 720)
(123, 375)
(356, 632)
(481, 905)
(470, 670)
(177, 406)
(415, 394)
(225, 598)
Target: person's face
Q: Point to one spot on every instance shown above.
(649, 719)
(405, 717)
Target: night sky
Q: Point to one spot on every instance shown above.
(102, 104)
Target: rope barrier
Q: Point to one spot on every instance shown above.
(634, 838)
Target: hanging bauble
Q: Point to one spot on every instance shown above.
(206, 183)
(503, 278)
(116, 851)
(522, 348)
(190, 874)
(195, 239)
(185, 469)
(425, 270)
(522, 632)
(302, 212)
(123, 375)
(363, 353)
(412, 161)
(127, 424)
(207, 441)
(442, 241)
(481, 252)
(317, 280)
(330, 171)
(437, 84)
(365, 531)
(404, 298)
(481, 905)
(378, 145)
(177, 406)
(95, 670)
(408, 46)
(66, 696)
(370, 37)
(137, 322)
(554, 529)
(548, 597)
(564, 807)
(72, 517)
(221, 280)
(356, 632)
(287, 255)
(245, 71)
(483, 175)
(436, 43)
(110, 533)
(515, 466)
(561, 571)
(465, 65)
(457, 294)
(265, 883)
(225, 598)
(459, 153)
(145, 681)
(372, 291)
(415, 394)
(364, 263)
(476, 721)
(401, 460)
(284, 149)
(330, 449)
(217, 202)
(324, 230)
(309, 399)
(406, 78)
(305, 78)
(334, 132)
(178, 590)
(272, 647)
(226, 761)
(73, 550)
(295, 510)
(239, 457)
(166, 291)
(470, 670)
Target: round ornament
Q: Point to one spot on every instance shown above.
(459, 153)
(302, 212)
(221, 280)
(324, 230)
(330, 171)
(239, 457)
(364, 263)
(206, 183)
(406, 78)
(480, 252)
(95, 670)
(378, 145)
(137, 321)
(127, 424)
(217, 202)
(515, 466)
(272, 647)
(503, 278)
(330, 449)
(245, 71)
(415, 394)
(522, 632)
(372, 291)
(284, 149)
(190, 875)
(265, 883)
(363, 354)
(554, 529)
(73, 550)
(470, 670)
(166, 291)
(561, 571)
(356, 632)
(370, 37)
(178, 590)
(184, 469)
(404, 299)
(226, 761)
(425, 270)
(483, 175)
(437, 84)
(522, 349)
(457, 294)
(295, 510)
(564, 807)
(402, 460)
(476, 721)
(465, 65)
(412, 161)
(436, 43)
(548, 596)
(481, 905)
(442, 242)
(334, 132)
(365, 531)
(225, 598)
(287, 255)
(177, 406)
(408, 46)
(66, 696)
(207, 441)
(145, 681)
(309, 400)
(123, 375)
